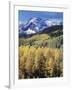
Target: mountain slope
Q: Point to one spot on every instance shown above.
(52, 31)
(42, 40)
(37, 25)
(56, 30)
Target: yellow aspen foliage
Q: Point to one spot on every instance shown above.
(37, 57)
(40, 62)
(57, 54)
(30, 60)
(22, 62)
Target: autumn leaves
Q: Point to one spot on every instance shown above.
(40, 62)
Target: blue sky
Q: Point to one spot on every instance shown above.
(24, 16)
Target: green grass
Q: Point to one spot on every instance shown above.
(42, 40)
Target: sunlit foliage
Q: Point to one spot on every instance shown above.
(40, 62)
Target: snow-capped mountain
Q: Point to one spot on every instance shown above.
(35, 25)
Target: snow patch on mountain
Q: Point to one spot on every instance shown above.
(52, 22)
(29, 31)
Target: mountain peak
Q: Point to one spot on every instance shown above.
(35, 25)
